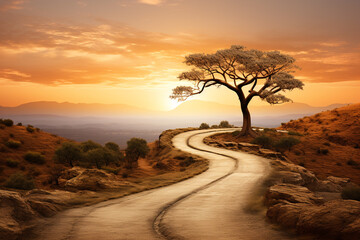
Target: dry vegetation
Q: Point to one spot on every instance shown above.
(329, 142)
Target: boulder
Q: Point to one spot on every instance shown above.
(310, 180)
(15, 213)
(269, 153)
(95, 179)
(290, 193)
(248, 146)
(287, 215)
(290, 177)
(338, 219)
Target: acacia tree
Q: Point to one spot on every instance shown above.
(263, 73)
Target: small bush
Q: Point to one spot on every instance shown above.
(12, 163)
(235, 133)
(293, 133)
(8, 122)
(187, 162)
(327, 144)
(20, 181)
(214, 126)
(2, 126)
(269, 130)
(68, 153)
(112, 146)
(264, 141)
(13, 144)
(352, 163)
(323, 151)
(34, 157)
(351, 192)
(19, 124)
(204, 126)
(30, 129)
(286, 143)
(225, 124)
(89, 145)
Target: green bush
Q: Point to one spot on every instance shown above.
(30, 129)
(351, 192)
(286, 143)
(112, 146)
(20, 181)
(294, 133)
(68, 153)
(19, 124)
(204, 126)
(7, 122)
(96, 157)
(13, 143)
(225, 124)
(136, 148)
(34, 157)
(269, 130)
(89, 145)
(214, 126)
(12, 163)
(263, 140)
(235, 133)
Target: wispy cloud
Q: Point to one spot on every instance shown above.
(11, 4)
(151, 2)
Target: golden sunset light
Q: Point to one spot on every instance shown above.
(131, 52)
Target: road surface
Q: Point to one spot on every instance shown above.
(212, 205)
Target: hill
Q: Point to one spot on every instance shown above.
(330, 145)
(16, 141)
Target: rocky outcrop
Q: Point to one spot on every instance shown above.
(93, 179)
(15, 214)
(297, 207)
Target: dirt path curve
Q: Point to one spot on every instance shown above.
(211, 205)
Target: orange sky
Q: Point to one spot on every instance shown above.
(129, 51)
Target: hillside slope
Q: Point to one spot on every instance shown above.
(330, 142)
(12, 157)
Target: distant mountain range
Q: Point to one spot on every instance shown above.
(188, 108)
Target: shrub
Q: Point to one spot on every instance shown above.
(34, 157)
(352, 163)
(19, 124)
(323, 151)
(89, 145)
(187, 162)
(12, 163)
(204, 126)
(99, 157)
(2, 126)
(30, 129)
(8, 122)
(13, 143)
(286, 143)
(19, 181)
(214, 126)
(68, 153)
(269, 130)
(112, 146)
(327, 144)
(294, 133)
(263, 140)
(136, 148)
(235, 133)
(351, 192)
(225, 124)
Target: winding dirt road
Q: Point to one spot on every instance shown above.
(212, 205)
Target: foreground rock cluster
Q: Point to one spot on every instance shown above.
(298, 200)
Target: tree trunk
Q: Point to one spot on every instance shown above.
(246, 128)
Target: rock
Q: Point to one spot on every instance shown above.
(230, 144)
(338, 219)
(287, 215)
(71, 173)
(45, 209)
(94, 179)
(333, 184)
(310, 180)
(269, 153)
(248, 146)
(15, 212)
(290, 177)
(290, 193)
